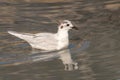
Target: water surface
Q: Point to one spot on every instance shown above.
(95, 47)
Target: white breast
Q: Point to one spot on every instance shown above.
(63, 40)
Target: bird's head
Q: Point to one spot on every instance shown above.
(67, 25)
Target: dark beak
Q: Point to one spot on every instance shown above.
(74, 27)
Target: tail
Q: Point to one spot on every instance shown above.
(25, 36)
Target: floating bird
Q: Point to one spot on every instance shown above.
(48, 41)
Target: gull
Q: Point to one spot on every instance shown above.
(48, 41)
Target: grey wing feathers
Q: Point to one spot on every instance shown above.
(21, 35)
(40, 40)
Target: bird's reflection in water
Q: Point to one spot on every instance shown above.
(64, 55)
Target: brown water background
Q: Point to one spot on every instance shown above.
(98, 22)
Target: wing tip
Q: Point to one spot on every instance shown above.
(9, 32)
(12, 32)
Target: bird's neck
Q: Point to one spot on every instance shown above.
(63, 34)
(63, 39)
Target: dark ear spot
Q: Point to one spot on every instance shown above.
(61, 27)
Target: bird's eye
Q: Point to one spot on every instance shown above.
(67, 24)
